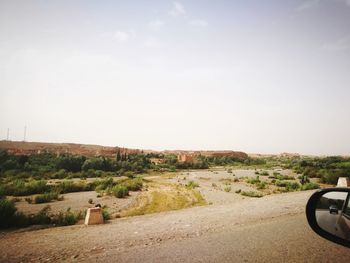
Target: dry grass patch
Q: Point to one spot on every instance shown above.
(204, 178)
(227, 181)
(166, 198)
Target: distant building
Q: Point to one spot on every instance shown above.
(185, 158)
(156, 161)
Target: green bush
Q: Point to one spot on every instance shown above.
(69, 186)
(309, 186)
(331, 176)
(292, 186)
(10, 217)
(2, 191)
(289, 186)
(261, 185)
(280, 183)
(7, 212)
(28, 200)
(67, 218)
(227, 189)
(133, 184)
(192, 185)
(46, 197)
(120, 191)
(253, 180)
(104, 184)
(251, 194)
(21, 188)
(129, 174)
(41, 218)
(105, 214)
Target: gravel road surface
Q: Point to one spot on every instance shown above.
(268, 229)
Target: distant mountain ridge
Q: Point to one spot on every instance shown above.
(28, 148)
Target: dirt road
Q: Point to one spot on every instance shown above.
(268, 229)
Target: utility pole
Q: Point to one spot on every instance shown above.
(8, 134)
(25, 133)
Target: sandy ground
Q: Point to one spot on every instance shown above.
(171, 236)
(79, 202)
(232, 229)
(212, 183)
(211, 186)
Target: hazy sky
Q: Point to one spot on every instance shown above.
(257, 76)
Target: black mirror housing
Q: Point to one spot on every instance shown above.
(330, 215)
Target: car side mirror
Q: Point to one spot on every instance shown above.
(328, 214)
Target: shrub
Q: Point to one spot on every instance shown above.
(229, 170)
(133, 184)
(41, 218)
(46, 197)
(69, 186)
(28, 200)
(103, 184)
(120, 191)
(309, 186)
(289, 186)
(236, 180)
(238, 191)
(276, 173)
(253, 180)
(129, 174)
(20, 188)
(261, 185)
(214, 185)
(251, 194)
(2, 191)
(283, 177)
(90, 201)
(331, 176)
(227, 189)
(192, 185)
(292, 186)
(264, 173)
(7, 212)
(106, 216)
(226, 181)
(280, 183)
(16, 199)
(66, 218)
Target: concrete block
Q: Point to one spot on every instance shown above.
(94, 216)
(343, 182)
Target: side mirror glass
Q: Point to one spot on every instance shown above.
(328, 214)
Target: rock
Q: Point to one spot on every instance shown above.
(94, 216)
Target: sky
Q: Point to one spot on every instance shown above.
(255, 76)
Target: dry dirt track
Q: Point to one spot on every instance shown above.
(269, 229)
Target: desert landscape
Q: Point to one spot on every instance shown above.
(181, 197)
(174, 131)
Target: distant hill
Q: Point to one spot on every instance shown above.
(27, 148)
